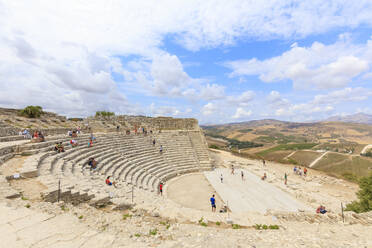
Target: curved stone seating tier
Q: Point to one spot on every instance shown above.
(129, 159)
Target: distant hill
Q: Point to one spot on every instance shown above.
(355, 118)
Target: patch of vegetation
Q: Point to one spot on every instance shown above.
(300, 146)
(235, 226)
(75, 119)
(305, 158)
(246, 130)
(137, 235)
(104, 114)
(27, 205)
(265, 227)
(126, 216)
(202, 223)
(214, 146)
(234, 142)
(80, 217)
(153, 231)
(63, 207)
(167, 226)
(292, 161)
(279, 138)
(32, 111)
(24, 198)
(364, 204)
(218, 223)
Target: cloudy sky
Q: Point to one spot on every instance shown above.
(217, 61)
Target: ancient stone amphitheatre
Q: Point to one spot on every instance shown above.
(51, 199)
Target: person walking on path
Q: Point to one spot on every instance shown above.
(213, 203)
(232, 169)
(153, 142)
(161, 189)
(221, 177)
(285, 178)
(242, 174)
(263, 162)
(161, 149)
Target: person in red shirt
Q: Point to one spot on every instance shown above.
(161, 189)
(109, 183)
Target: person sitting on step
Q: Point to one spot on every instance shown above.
(73, 143)
(109, 183)
(264, 177)
(92, 163)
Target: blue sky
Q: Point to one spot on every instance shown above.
(217, 61)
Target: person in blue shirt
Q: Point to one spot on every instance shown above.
(213, 203)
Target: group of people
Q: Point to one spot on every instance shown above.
(213, 204)
(299, 171)
(38, 136)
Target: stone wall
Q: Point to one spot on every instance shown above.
(149, 123)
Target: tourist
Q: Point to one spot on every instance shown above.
(73, 143)
(213, 203)
(56, 147)
(109, 183)
(92, 163)
(295, 170)
(242, 175)
(263, 178)
(221, 178)
(150, 131)
(60, 147)
(117, 128)
(90, 143)
(35, 135)
(69, 133)
(223, 209)
(305, 171)
(41, 137)
(74, 135)
(161, 188)
(285, 178)
(161, 149)
(26, 134)
(263, 162)
(321, 210)
(232, 169)
(299, 171)
(153, 142)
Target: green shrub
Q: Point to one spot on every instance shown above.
(28, 205)
(214, 147)
(364, 204)
(153, 231)
(24, 198)
(168, 226)
(218, 223)
(137, 235)
(264, 227)
(126, 216)
(80, 217)
(235, 226)
(258, 226)
(32, 111)
(104, 114)
(274, 227)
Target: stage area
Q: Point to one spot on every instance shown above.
(192, 191)
(250, 194)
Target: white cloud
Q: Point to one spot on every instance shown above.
(242, 113)
(318, 66)
(164, 110)
(343, 96)
(209, 109)
(243, 99)
(212, 92)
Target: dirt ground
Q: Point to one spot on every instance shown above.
(192, 191)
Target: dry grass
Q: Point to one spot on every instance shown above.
(305, 158)
(330, 159)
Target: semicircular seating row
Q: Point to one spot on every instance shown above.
(130, 160)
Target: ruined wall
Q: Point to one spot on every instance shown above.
(149, 123)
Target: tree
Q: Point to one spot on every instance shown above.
(364, 195)
(104, 113)
(32, 111)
